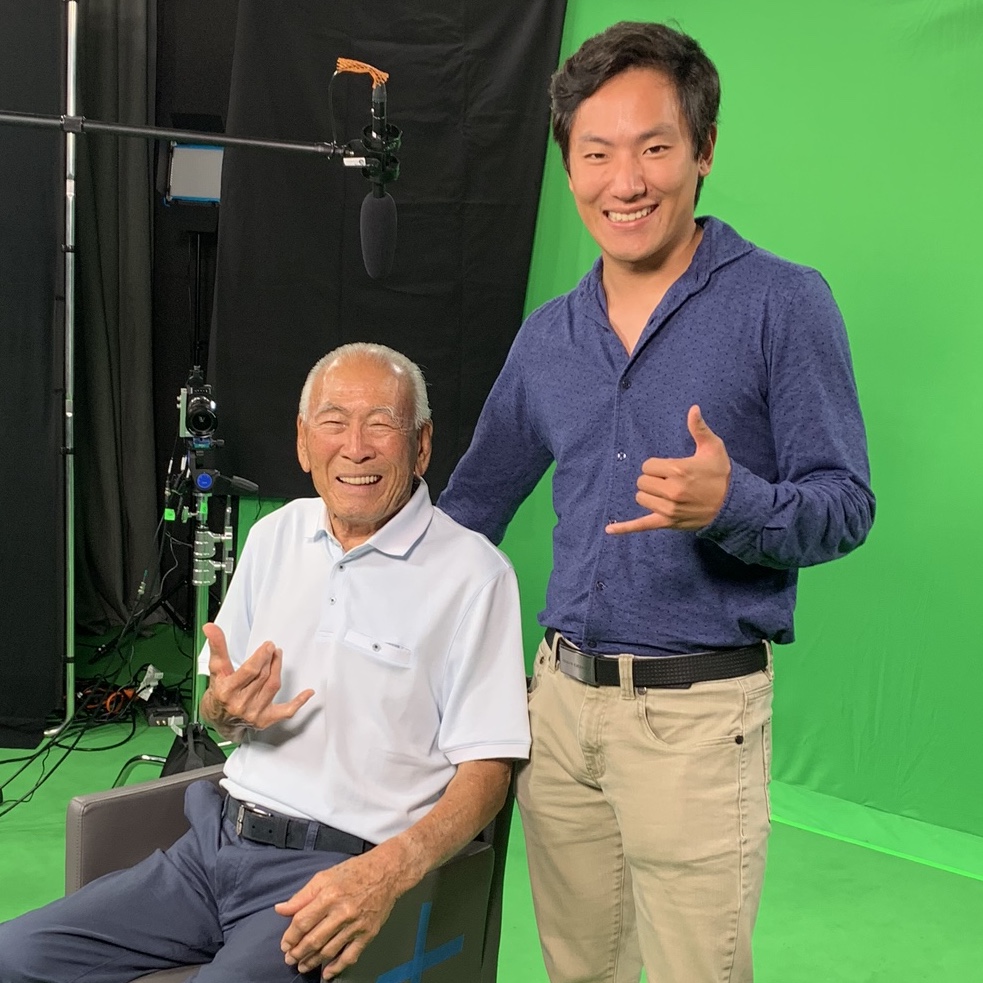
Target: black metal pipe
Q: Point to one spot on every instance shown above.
(79, 124)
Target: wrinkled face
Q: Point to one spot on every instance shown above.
(359, 446)
(632, 170)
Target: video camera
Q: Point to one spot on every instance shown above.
(196, 408)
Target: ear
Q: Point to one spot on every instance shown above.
(706, 155)
(423, 449)
(302, 456)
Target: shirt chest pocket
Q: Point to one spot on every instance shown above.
(388, 653)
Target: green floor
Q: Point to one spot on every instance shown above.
(832, 912)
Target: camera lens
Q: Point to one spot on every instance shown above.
(200, 416)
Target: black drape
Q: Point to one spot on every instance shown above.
(117, 507)
(32, 560)
(468, 87)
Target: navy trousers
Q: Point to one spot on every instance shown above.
(208, 899)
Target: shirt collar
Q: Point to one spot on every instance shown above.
(719, 246)
(399, 535)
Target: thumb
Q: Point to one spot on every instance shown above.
(702, 435)
(218, 650)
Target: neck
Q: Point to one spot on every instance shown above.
(625, 282)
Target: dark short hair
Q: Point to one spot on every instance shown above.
(628, 45)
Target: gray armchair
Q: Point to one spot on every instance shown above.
(456, 908)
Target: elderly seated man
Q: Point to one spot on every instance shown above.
(394, 636)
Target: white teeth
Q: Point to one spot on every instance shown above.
(630, 216)
(369, 479)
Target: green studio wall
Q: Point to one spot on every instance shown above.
(849, 141)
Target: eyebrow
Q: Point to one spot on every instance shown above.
(662, 130)
(334, 408)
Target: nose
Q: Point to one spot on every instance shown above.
(356, 447)
(628, 180)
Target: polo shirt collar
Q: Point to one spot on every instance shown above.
(399, 535)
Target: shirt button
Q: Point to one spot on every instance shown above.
(599, 585)
(591, 642)
(341, 566)
(621, 456)
(626, 383)
(332, 600)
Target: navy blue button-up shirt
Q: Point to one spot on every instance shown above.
(759, 344)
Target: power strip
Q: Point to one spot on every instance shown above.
(166, 716)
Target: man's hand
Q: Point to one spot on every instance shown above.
(338, 912)
(686, 492)
(242, 699)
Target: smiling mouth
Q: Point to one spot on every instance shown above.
(631, 216)
(366, 479)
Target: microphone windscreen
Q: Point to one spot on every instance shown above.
(378, 229)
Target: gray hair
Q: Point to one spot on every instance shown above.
(396, 361)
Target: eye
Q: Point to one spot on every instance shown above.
(330, 424)
(655, 149)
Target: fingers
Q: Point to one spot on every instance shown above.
(287, 710)
(315, 935)
(289, 908)
(348, 956)
(646, 522)
(263, 664)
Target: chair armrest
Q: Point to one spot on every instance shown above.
(437, 926)
(110, 830)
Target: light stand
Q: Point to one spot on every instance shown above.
(374, 155)
(194, 747)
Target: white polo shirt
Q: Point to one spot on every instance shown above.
(412, 644)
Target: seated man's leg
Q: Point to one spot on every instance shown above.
(251, 953)
(256, 878)
(128, 923)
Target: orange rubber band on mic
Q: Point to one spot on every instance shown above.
(379, 77)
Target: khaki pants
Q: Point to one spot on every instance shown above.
(646, 821)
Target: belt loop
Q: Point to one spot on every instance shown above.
(554, 647)
(626, 678)
(310, 840)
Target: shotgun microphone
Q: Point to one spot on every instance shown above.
(377, 221)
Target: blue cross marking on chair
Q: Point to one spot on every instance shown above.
(412, 972)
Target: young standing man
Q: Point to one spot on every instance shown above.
(697, 396)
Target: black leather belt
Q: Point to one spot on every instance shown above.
(260, 826)
(671, 670)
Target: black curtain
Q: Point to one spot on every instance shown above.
(117, 506)
(468, 87)
(32, 197)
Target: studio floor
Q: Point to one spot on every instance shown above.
(832, 912)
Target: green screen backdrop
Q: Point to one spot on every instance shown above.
(849, 141)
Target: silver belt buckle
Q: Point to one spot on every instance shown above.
(245, 807)
(577, 664)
